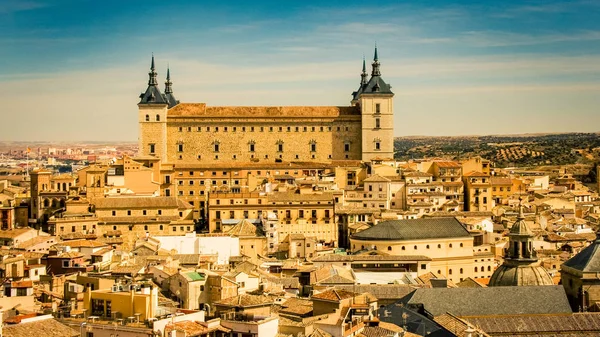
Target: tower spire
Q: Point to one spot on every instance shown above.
(364, 75)
(375, 64)
(152, 74)
(168, 83)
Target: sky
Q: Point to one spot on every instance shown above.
(72, 70)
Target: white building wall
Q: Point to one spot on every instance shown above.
(224, 246)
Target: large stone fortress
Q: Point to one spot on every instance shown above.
(196, 134)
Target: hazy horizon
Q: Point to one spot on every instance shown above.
(72, 70)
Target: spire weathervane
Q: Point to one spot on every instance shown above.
(375, 64)
(364, 75)
(152, 74)
(168, 83)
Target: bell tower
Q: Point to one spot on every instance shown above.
(152, 117)
(375, 99)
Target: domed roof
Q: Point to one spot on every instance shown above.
(520, 227)
(520, 275)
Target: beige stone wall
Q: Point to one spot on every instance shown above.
(370, 132)
(152, 131)
(199, 137)
(452, 258)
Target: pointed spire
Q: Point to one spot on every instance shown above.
(168, 83)
(375, 58)
(152, 74)
(364, 75)
(375, 64)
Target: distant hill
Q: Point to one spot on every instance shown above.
(506, 150)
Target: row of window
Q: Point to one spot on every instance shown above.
(144, 212)
(260, 128)
(252, 147)
(161, 227)
(389, 248)
(214, 182)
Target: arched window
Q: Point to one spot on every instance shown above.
(374, 247)
(362, 247)
(461, 270)
(489, 268)
(161, 227)
(439, 272)
(157, 117)
(46, 203)
(461, 245)
(415, 247)
(439, 246)
(147, 118)
(475, 269)
(403, 248)
(427, 246)
(449, 271)
(389, 247)
(450, 245)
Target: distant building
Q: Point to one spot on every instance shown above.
(444, 240)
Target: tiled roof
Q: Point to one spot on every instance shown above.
(376, 331)
(45, 327)
(457, 326)
(335, 295)
(417, 174)
(587, 260)
(414, 229)
(246, 300)
(245, 228)
(13, 233)
(376, 178)
(579, 324)
(136, 202)
(476, 174)
(470, 283)
(491, 300)
(82, 244)
(380, 291)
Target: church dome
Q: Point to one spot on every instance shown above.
(521, 266)
(509, 274)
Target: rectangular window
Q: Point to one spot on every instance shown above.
(152, 148)
(377, 123)
(377, 108)
(347, 147)
(179, 147)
